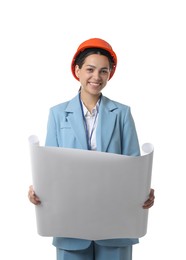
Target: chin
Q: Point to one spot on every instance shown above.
(95, 93)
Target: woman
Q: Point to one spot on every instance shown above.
(91, 121)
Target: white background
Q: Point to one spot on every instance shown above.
(37, 42)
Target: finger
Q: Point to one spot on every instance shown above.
(152, 198)
(152, 191)
(33, 198)
(147, 206)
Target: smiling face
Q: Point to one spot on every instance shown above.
(94, 74)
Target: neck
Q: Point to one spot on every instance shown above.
(89, 100)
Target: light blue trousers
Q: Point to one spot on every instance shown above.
(96, 252)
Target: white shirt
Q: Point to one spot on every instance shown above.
(91, 122)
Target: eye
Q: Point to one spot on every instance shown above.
(104, 72)
(90, 70)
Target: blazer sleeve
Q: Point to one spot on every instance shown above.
(51, 136)
(130, 138)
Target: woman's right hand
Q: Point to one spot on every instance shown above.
(32, 196)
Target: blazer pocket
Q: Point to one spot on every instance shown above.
(65, 125)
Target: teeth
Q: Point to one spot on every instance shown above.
(94, 84)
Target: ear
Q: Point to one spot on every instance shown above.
(77, 70)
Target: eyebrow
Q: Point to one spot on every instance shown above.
(92, 66)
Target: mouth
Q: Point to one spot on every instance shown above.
(95, 84)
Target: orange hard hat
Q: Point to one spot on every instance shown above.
(94, 43)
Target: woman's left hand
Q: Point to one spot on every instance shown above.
(150, 202)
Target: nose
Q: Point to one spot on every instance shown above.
(96, 74)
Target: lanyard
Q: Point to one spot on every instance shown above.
(88, 137)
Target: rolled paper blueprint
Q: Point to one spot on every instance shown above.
(33, 140)
(90, 195)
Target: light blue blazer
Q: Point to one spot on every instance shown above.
(116, 133)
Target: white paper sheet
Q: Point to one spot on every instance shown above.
(90, 195)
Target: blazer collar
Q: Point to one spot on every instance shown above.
(106, 122)
(75, 118)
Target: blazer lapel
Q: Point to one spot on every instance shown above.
(106, 123)
(76, 121)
